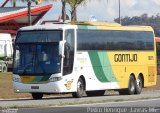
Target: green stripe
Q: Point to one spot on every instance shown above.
(41, 78)
(97, 67)
(107, 68)
(37, 79)
(45, 78)
(101, 66)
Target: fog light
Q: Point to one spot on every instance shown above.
(17, 90)
(16, 79)
(54, 79)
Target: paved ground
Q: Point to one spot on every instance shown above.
(61, 101)
(137, 106)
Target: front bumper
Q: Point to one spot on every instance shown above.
(51, 87)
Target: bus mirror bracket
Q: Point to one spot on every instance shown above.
(61, 48)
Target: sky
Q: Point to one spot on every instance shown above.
(105, 10)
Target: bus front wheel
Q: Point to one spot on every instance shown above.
(80, 89)
(37, 96)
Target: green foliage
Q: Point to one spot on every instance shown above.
(74, 4)
(144, 19)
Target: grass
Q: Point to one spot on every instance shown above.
(6, 88)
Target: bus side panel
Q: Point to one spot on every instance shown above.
(125, 64)
(96, 69)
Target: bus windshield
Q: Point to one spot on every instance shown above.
(36, 56)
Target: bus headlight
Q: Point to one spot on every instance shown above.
(54, 79)
(16, 79)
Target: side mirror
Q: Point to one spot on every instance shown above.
(61, 48)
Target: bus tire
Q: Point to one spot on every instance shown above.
(37, 96)
(4, 69)
(95, 93)
(80, 89)
(139, 85)
(131, 87)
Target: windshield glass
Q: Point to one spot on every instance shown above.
(36, 59)
(35, 55)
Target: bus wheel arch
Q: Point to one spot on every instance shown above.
(133, 75)
(139, 84)
(81, 87)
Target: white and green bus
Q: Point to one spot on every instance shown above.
(89, 57)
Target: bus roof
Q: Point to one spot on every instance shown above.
(89, 25)
(48, 27)
(111, 26)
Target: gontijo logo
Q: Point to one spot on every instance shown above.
(125, 57)
(68, 85)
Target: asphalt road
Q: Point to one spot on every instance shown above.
(138, 106)
(68, 104)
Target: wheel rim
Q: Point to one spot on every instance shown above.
(80, 87)
(139, 83)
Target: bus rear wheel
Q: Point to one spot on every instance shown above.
(37, 96)
(131, 87)
(139, 85)
(95, 93)
(80, 89)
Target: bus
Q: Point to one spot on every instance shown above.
(84, 57)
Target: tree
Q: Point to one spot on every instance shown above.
(74, 4)
(15, 1)
(144, 19)
(63, 10)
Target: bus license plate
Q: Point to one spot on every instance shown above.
(34, 87)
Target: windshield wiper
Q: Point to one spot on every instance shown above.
(26, 67)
